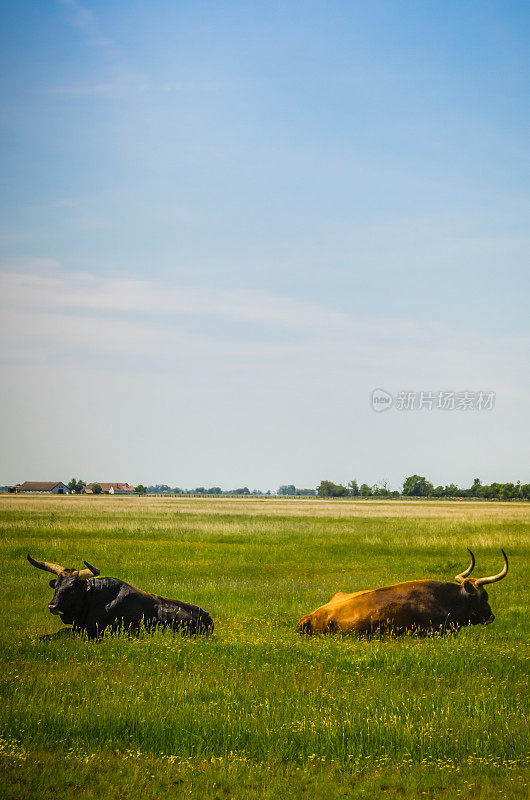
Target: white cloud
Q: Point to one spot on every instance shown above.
(53, 314)
(82, 315)
(84, 20)
(59, 291)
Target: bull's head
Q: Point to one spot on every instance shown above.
(478, 597)
(70, 585)
(305, 625)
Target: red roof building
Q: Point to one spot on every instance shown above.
(110, 488)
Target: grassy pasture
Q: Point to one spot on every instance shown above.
(257, 711)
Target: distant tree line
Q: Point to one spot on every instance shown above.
(413, 486)
(418, 486)
(291, 491)
(330, 489)
(286, 491)
(162, 488)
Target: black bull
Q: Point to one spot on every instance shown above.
(92, 605)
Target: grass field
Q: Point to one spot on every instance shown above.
(257, 711)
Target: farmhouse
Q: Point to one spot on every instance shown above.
(110, 488)
(41, 487)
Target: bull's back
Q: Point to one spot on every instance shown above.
(414, 604)
(183, 616)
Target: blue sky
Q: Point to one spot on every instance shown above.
(223, 225)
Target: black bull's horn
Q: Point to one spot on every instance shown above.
(56, 569)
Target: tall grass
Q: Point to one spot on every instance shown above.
(256, 694)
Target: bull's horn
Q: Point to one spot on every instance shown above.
(463, 575)
(88, 573)
(494, 578)
(46, 565)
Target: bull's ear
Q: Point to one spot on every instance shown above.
(52, 584)
(470, 587)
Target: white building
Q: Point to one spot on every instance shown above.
(42, 487)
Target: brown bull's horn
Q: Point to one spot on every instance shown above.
(55, 568)
(494, 578)
(463, 575)
(88, 573)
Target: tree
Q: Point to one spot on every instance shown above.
(476, 489)
(507, 492)
(354, 488)
(96, 489)
(417, 486)
(140, 489)
(381, 491)
(365, 490)
(76, 486)
(330, 489)
(287, 490)
(492, 491)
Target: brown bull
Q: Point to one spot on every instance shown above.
(420, 606)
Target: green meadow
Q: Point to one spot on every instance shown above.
(257, 711)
